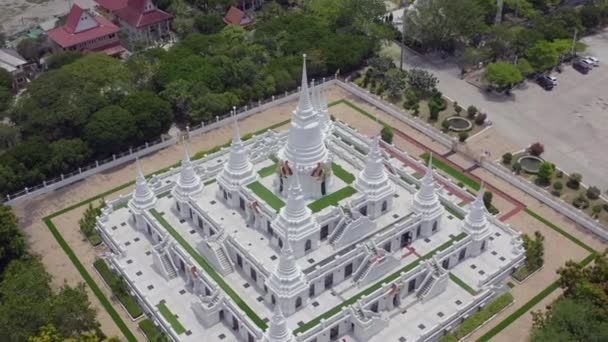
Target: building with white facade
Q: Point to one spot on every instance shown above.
(314, 234)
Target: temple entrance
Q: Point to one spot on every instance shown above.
(324, 232)
(323, 188)
(307, 246)
(281, 184)
(396, 300)
(242, 203)
(406, 239)
(334, 332)
(235, 324)
(446, 263)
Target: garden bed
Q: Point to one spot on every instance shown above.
(152, 332)
(111, 279)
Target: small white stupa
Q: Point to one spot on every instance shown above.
(287, 283)
(143, 198)
(476, 225)
(427, 203)
(188, 184)
(374, 182)
(238, 170)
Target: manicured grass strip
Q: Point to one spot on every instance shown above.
(479, 318)
(111, 278)
(452, 172)
(211, 181)
(86, 276)
(152, 332)
(344, 175)
(209, 270)
(268, 170)
(332, 199)
(335, 310)
(519, 312)
(89, 200)
(262, 192)
(170, 317)
(454, 213)
(462, 284)
(560, 230)
(95, 239)
(364, 112)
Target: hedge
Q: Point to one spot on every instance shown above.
(170, 317)
(344, 175)
(332, 199)
(152, 332)
(210, 270)
(262, 192)
(479, 318)
(110, 277)
(452, 172)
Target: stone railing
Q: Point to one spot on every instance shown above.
(560, 206)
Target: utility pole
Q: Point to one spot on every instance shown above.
(574, 42)
(402, 39)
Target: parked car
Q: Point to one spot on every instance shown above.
(582, 67)
(553, 79)
(546, 82)
(591, 60)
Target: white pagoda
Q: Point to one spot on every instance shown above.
(427, 203)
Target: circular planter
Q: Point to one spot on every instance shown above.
(530, 164)
(459, 124)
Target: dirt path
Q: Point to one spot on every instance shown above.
(413, 142)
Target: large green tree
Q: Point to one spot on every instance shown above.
(12, 241)
(503, 74)
(152, 114)
(111, 130)
(542, 56)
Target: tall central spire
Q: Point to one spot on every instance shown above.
(305, 145)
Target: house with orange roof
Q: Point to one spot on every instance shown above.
(87, 32)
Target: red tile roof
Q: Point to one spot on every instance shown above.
(112, 49)
(65, 36)
(136, 15)
(111, 5)
(235, 16)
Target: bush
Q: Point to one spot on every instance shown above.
(332, 117)
(537, 149)
(574, 181)
(487, 199)
(596, 209)
(516, 167)
(545, 173)
(558, 186)
(480, 118)
(445, 124)
(507, 158)
(593, 193)
(463, 136)
(416, 109)
(461, 184)
(605, 206)
(581, 202)
(457, 108)
(471, 112)
(559, 174)
(411, 99)
(436, 105)
(387, 134)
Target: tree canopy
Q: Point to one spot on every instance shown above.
(503, 74)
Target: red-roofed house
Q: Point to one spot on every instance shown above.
(235, 16)
(87, 32)
(140, 20)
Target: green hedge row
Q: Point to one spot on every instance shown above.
(452, 172)
(332, 199)
(128, 301)
(344, 175)
(170, 317)
(152, 332)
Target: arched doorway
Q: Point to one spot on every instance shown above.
(308, 245)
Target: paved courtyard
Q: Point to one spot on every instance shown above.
(571, 120)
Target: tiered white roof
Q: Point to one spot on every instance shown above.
(373, 180)
(143, 197)
(277, 329)
(295, 218)
(305, 145)
(426, 200)
(476, 222)
(238, 170)
(188, 183)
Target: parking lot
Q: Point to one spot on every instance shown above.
(571, 120)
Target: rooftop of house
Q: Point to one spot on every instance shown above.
(111, 5)
(140, 13)
(10, 60)
(236, 16)
(81, 26)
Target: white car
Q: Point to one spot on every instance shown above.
(553, 79)
(591, 60)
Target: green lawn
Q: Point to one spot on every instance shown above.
(462, 284)
(268, 196)
(312, 323)
(332, 199)
(210, 270)
(452, 172)
(268, 170)
(344, 175)
(129, 302)
(152, 332)
(454, 213)
(170, 317)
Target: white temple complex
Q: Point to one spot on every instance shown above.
(315, 234)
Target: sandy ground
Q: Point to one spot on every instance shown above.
(558, 251)
(19, 15)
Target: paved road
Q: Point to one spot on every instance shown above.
(571, 120)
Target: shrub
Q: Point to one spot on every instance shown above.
(461, 184)
(574, 181)
(487, 199)
(581, 202)
(545, 173)
(387, 134)
(593, 193)
(596, 209)
(463, 136)
(558, 186)
(411, 99)
(516, 167)
(416, 109)
(332, 117)
(559, 174)
(457, 108)
(436, 105)
(605, 206)
(507, 158)
(471, 112)
(445, 124)
(537, 149)
(481, 118)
